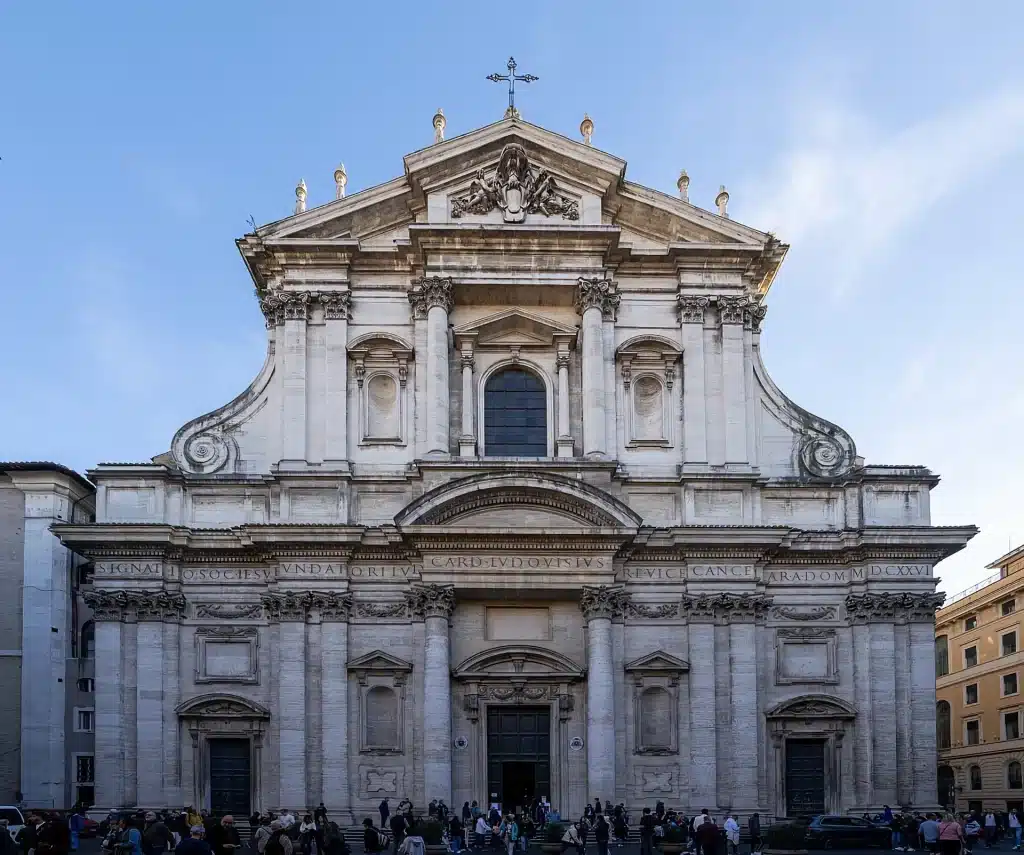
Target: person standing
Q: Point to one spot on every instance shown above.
(130, 842)
(226, 840)
(76, 822)
(399, 827)
(193, 843)
(455, 833)
(278, 843)
(929, 831)
(951, 835)
(385, 811)
(602, 831)
(647, 823)
(732, 834)
(508, 831)
(754, 827)
(1013, 821)
(990, 829)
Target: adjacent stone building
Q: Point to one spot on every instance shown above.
(513, 509)
(979, 710)
(46, 639)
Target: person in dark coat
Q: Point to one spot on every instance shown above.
(385, 812)
(53, 837)
(226, 840)
(398, 829)
(194, 843)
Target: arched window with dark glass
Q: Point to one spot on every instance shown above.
(515, 415)
(941, 656)
(943, 724)
(974, 773)
(1014, 779)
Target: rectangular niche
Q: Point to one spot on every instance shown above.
(505, 624)
(227, 654)
(805, 655)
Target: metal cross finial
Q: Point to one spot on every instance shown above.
(512, 77)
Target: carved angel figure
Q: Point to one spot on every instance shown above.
(482, 197)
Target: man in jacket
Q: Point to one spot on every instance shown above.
(226, 840)
(155, 836)
(278, 843)
(193, 844)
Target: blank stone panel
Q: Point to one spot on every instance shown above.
(718, 505)
(381, 718)
(130, 504)
(518, 625)
(228, 659)
(804, 660)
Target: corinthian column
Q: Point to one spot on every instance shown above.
(695, 433)
(595, 299)
(599, 605)
(334, 611)
(432, 299)
(435, 604)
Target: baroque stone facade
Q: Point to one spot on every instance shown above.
(513, 506)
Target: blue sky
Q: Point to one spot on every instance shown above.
(885, 141)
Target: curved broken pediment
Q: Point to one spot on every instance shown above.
(575, 502)
(518, 661)
(812, 706)
(219, 705)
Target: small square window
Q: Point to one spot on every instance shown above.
(1011, 725)
(970, 656)
(974, 732)
(1007, 607)
(84, 721)
(970, 623)
(971, 693)
(1010, 684)
(1009, 643)
(86, 684)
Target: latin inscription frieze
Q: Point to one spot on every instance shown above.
(312, 570)
(129, 569)
(518, 562)
(220, 575)
(385, 571)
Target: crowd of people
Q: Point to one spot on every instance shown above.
(948, 833)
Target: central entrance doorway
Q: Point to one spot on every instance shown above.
(518, 755)
(805, 776)
(229, 777)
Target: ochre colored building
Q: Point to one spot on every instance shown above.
(979, 700)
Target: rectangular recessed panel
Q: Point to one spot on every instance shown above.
(518, 624)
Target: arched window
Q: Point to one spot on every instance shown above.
(975, 776)
(941, 656)
(947, 785)
(943, 724)
(89, 639)
(656, 718)
(1014, 779)
(381, 718)
(515, 415)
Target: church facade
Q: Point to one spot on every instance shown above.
(513, 509)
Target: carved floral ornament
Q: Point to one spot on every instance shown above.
(597, 294)
(614, 602)
(131, 606)
(432, 601)
(516, 189)
(887, 608)
(429, 292)
(306, 605)
(281, 306)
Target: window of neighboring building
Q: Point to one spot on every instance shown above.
(973, 732)
(515, 415)
(941, 656)
(971, 693)
(974, 807)
(86, 571)
(84, 720)
(87, 684)
(1009, 642)
(84, 777)
(1010, 684)
(1011, 725)
(943, 722)
(1014, 779)
(975, 776)
(970, 623)
(970, 656)
(88, 648)
(1007, 607)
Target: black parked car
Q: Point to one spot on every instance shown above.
(845, 832)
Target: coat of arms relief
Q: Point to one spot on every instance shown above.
(516, 189)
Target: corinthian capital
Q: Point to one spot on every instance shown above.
(603, 601)
(691, 308)
(432, 600)
(753, 315)
(731, 309)
(728, 607)
(337, 305)
(893, 608)
(429, 292)
(289, 606)
(136, 605)
(597, 294)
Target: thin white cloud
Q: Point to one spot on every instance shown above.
(848, 187)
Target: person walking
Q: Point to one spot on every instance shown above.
(754, 828)
(194, 843)
(399, 827)
(385, 811)
(481, 831)
(951, 836)
(508, 831)
(929, 831)
(1013, 822)
(732, 834)
(647, 823)
(455, 833)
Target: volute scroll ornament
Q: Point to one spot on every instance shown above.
(691, 308)
(516, 189)
(824, 457)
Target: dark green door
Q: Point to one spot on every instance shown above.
(229, 777)
(518, 755)
(805, 776)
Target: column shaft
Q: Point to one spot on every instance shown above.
(563, 398)
(437, 711)
(437, 381)
(334, 714)
(734, 393)
(593, 383)
(150, 714)
(883, 712)
(291, 674)
(922, 713)
(467, 397)
(694, 415)
(863, 759)
(745, 706)
(703, 740)
(293, 390)
(600, 709)
(131, 720)
(172, 727)
(109, 752)
(336, 391)
(904, 768)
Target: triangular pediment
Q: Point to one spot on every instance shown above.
(378, 660)
(513, 327)
(658, 662)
